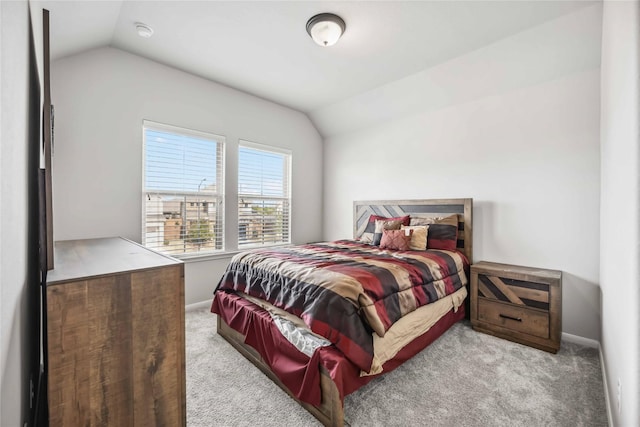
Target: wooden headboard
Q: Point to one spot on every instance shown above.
(420, 208)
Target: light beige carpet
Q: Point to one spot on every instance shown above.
(464, 378)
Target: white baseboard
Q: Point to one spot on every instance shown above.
(587, 342)
(198, 305)
(605, 383)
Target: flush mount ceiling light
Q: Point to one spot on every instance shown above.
(325, 28)
(143, 30)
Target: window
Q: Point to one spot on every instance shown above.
(264, 195)
(183, 191)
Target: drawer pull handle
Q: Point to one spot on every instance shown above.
(517, 319)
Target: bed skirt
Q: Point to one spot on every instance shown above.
(298, 372)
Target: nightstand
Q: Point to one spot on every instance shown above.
(521, 304)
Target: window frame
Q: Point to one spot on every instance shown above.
(289, 199)
(218, 196)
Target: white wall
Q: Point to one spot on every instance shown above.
(620, 207)
(528, 156)
(3, 321)
(18, 131)
(101, 98)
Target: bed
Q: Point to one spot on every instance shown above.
(321, 320)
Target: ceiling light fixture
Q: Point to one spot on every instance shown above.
(325, 28)
(143, 30)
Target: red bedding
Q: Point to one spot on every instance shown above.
(300, 373)
(344, 290)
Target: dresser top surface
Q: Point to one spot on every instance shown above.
(78, 259)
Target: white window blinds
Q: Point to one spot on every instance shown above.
(264, 195)
(183, 191)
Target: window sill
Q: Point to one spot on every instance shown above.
(205, 257)
(258, 246)
(222, 255)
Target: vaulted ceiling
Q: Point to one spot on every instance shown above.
(261, 47)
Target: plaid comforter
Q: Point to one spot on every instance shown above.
(345, 290)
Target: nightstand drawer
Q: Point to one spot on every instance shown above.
(520, 319)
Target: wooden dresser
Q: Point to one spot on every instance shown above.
(521, 304)
(115, 335)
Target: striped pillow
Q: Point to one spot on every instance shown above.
(443, 232)
(367, 235)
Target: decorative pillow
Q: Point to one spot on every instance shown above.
(418, 236)
(367, 235)
(384, 224)
(443, 232)
(395, 239)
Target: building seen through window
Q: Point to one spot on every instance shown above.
(183, 190)
(264, 195)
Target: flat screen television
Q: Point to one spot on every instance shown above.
(38, 383)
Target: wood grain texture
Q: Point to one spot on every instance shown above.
(485, 291)
(116, 341)
(519, 319)
(68, 342)
(505, 290)
(158, 347)
(538, 303)
(531, 294)
(109, 326)
(421, 208)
